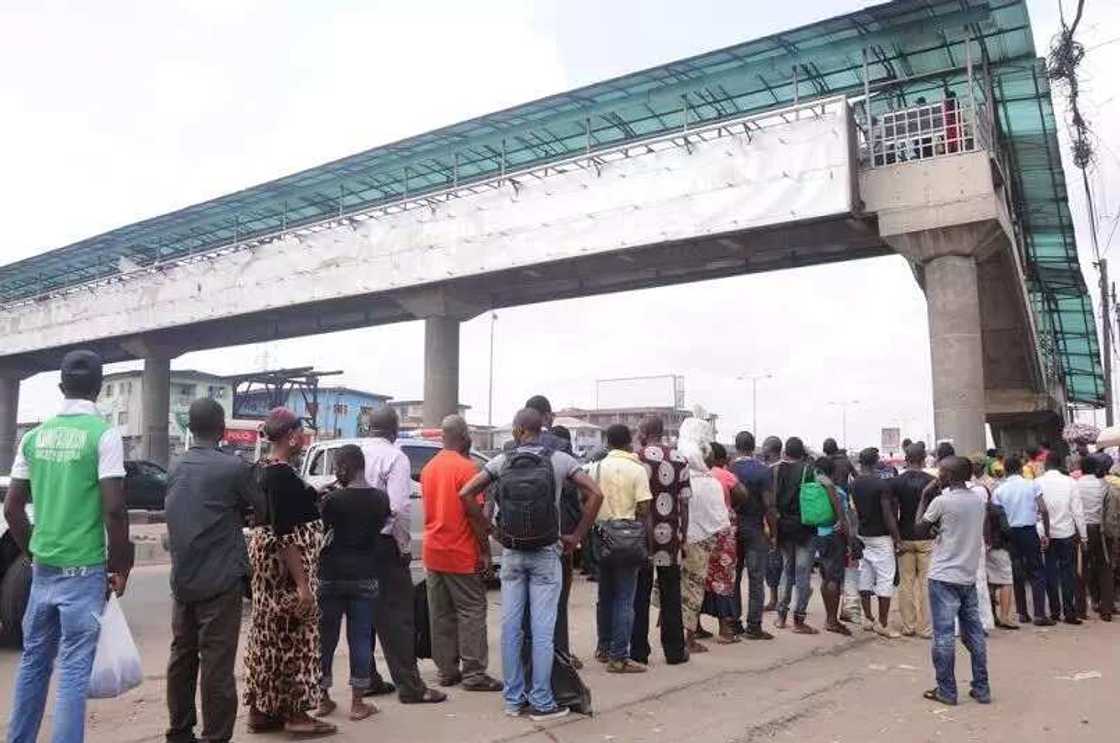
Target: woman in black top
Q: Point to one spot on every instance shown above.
(282, 656)
(353, 517)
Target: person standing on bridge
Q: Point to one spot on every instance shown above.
(394, 618)
(209, 492)
(282, 654)
(74, 465)
(962, 518)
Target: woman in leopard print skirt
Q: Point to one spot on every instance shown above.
(282, 657)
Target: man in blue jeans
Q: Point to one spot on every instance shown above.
(74, 464)
(626, 495)
(952, 578)
(795, 540)
(532, 577)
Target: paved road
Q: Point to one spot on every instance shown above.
(804, 689)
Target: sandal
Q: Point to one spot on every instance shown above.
(380, 689)
(838, 629)
(310, 728)
(482, 683)
(326, 707)
(934, 695)
(430, 696)
(696, 647)
(726, 640)
(262, 723)
(800, 628)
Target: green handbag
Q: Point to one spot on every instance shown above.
(816, 508)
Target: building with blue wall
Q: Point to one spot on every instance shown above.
(342, 412)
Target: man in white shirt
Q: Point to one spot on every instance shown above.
(388, 469)
(1067, 532)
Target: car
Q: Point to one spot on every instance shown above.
(15, 579)
(318, 471)
(145, 485)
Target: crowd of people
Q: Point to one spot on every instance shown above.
(683, 526)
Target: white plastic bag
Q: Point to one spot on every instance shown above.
(116, 667)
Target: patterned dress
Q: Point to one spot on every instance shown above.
(719, 585)
(282, 653)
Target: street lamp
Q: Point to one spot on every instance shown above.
(843, 405)
(490, 402)
(754, 396)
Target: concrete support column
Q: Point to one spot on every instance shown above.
(957, 354)
(156, 407)
(441, 368)
(9, 407)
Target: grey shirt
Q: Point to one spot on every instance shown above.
(563, 467)
(956, 553)
(208, 494)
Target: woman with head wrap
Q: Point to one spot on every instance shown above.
(707, 517)
(282, 670)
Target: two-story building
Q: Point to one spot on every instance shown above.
(122, 403)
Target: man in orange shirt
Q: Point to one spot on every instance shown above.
(455, 561)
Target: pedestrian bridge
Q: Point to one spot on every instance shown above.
(863, 135)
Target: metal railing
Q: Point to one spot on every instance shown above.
(926, 131)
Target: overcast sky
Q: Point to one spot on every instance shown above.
(117, 111)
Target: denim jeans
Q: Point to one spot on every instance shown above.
(1061, 577)
(754, 552)
(534, 579)
(797, 565)
(614, 613)
(957, 601)
(354, 599)
(62, 620)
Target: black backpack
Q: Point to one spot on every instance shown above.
(528, 518)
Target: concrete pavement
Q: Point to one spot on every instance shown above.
(823, 688)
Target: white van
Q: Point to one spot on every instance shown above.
(318, 471)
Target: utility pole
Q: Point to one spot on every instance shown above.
(1106, 326)
(490, 400)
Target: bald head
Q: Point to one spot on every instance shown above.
(651, 429)
(527, 425)
(384, 423)
(456, 434)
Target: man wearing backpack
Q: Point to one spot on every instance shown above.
(530, 481)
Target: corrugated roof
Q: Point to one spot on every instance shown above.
(916, 47)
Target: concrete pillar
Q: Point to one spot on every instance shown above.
(441, 368)
(957, 354)
(155, 408)
(9, 407)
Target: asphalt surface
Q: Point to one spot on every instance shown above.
(1049, 684)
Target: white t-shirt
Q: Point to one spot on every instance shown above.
(707, 510)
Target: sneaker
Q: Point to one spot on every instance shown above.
(884, 631)
(625, 666)
(542, 715)
(518, 711)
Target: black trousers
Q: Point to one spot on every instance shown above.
(1061, 578)
(560, 636)
(394, 622)
(203, 635)
(1102, 584)
(1026, 567)
(672, 620)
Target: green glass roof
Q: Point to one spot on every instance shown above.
(915, 47)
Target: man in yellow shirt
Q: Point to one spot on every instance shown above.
(626, 495)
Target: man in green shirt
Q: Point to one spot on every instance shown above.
(74, 465)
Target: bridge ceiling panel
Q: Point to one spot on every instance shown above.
(913, 48)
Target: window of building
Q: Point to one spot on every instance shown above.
(341, 408)
(108, 390)
(186, 390)
(122, 418)
(216, 392)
